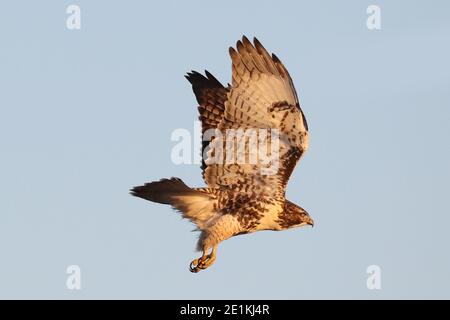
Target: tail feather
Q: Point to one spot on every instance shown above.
(162, 191)
(193, 204)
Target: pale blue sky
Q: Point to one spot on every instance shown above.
(85, 115)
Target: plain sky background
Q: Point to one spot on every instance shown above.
(86, 115)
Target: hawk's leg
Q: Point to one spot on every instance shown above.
(204, 261)
(223, 228)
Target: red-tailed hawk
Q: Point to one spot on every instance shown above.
(240, 196)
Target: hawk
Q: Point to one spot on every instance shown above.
(240, 197)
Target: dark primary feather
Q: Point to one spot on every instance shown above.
(211, 96)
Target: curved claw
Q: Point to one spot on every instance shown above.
(191, 267)
(197, 265)
(203, 262)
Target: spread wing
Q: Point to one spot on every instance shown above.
(262, 97)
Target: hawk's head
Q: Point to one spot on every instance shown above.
(294, 216)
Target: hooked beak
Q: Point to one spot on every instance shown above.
(311, 222)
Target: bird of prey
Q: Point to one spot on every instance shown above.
(240, 197)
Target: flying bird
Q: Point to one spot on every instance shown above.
(240, 197)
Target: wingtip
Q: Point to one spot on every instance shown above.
(259, 47)
(275, 58)
(239, 45)
(193, 75)
(208, 74)
(188, 76)
(257, 42)
(210, 77)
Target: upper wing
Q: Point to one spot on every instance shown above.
(262, 96)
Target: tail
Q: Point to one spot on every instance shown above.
(194, 204)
